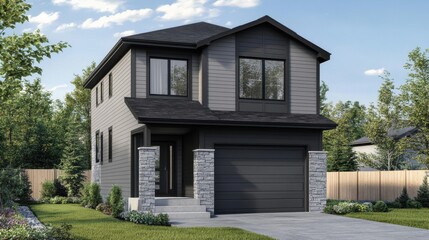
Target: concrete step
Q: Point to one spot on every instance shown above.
(188, 215)
(176, 201)
(190, 208)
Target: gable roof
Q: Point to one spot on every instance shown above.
(394, 133)
(185, 112)
(192, 36)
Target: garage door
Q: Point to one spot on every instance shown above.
(252, 179)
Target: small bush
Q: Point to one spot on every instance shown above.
(21, 232)
(423, 193)
(91, 196)
(58, 200)
(48, 189)
(60, 190)
(413, 204)
(394, 204)
(24, 195)
(104, 208)
(403, 198)
(329, 209)
(149, 218)
(115, 201)
(380, 206)
(369, 206)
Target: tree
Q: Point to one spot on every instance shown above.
(72, 164)
(382, 119)
(414, 102)
(323, 99)
(423, 193)
(350, 118)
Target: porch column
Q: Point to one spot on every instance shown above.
(317, 180)
(147, 158)
(204, 178)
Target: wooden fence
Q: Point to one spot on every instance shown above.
(373, 185)
(38, 176)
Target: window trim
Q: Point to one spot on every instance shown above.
(110, 144)
(96, 96)
(110, 85)
(101, 92)
(97, 146)
(263, 79)
(163, 54)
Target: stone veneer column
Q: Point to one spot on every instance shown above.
(317, 180)
(204, 177)
(96, 173)
(147, 158)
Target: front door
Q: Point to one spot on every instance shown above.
(165, 184)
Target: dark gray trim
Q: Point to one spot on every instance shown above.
(288, 79)
(133, 73)
(101, 148)
(205, 77)
(110, 144)
(147, 139)
(318, 86)
(110, 84)
(97, 145)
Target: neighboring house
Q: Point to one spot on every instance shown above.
(364, 145)
(228, 120)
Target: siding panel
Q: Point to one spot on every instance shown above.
(140, 73)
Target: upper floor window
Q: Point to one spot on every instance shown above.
(110, 85)
(96, 96)
(168, 77)
(101, 92)
(262, 79)
(97, 146)
(110, 144)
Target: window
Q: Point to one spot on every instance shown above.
(101, 148)
(110, 144)
(168, 77)
(97, 146)
(262, 79)
(101, 92)
(110, 85)
(96, 96)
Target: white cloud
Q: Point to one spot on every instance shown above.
(53, 89)
(374, 72)
(236, 3)
(124, 33)
(183, 10)
(97, 5)
(118, 19)
(229, 23)
(44, 18)
(65, 26)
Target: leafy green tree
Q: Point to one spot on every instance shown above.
(323, 99)
(423, 193)
(72, 164)
(350, 118)
(414, 102)
(385, 117)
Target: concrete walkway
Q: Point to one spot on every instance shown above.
(312, 226)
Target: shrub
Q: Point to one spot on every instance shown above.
(403, 198)
(58, 200)
(344, 208)
(23, 232)
(104, 208)
(60, 190)
(394, 204)
(149, 218)
(91, 196)
(369, 206)
(14, 185)
(380, 206)
(24, 194)
(423, 193)
(48, 189)
(329, 209)
(115, 201)
(413, 204)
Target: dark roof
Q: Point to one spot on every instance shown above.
(192, 36)
(187, 34)
(394, 133)
(186, 112)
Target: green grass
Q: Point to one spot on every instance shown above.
(91, 224)
(418, 218)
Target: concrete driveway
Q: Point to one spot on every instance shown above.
(300, 226)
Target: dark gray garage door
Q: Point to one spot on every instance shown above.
(252, 179)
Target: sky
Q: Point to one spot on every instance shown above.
(365, 37)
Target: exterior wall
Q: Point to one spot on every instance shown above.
(222, 74)
(113, 112)
(303, 79)
(317, 181)
(140, 73)
(195, 77)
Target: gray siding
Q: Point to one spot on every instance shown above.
(140, 73)
(195, 77)
(303, 75)
(114, 113)
(221, 74)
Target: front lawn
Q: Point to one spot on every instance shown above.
(91, 224)
(418, 218)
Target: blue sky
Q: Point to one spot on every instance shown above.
(362, 35)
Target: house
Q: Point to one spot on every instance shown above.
(364, 145)
(201, 117)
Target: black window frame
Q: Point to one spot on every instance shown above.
(101, 92)
(110, 144)
(97, 146)
(263, 79)
(96, 96)
(110, 85)
(169, 59)
(101, 148)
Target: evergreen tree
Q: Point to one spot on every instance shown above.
(72, 164)
(423, 193)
